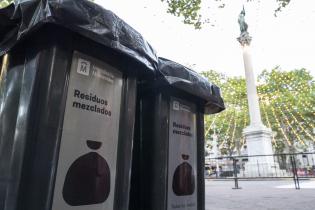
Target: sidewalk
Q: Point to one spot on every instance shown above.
(260, 195)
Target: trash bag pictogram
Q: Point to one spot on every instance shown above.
(184, 178)
(88, 179)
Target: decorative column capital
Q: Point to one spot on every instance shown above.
(244, 39)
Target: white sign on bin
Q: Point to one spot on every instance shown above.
(86, 168)
(182, 162)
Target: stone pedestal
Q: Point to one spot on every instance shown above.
(258, 139)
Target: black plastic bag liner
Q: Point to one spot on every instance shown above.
(81, 16)
(183, 78)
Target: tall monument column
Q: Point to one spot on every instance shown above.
(258, 137)
(253, 103)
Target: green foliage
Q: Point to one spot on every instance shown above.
(289, 97)
(190, 9)
(4, 3)
(281, 4)
(287, 101)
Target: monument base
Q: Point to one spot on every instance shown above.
(262, 169)
(261, 162)
(258, 140)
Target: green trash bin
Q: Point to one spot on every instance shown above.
(69, 73)
(168, 161)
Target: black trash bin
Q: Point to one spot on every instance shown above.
(168, 164)
(67, 105)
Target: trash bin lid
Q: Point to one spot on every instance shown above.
(187, 80)
(81, 16)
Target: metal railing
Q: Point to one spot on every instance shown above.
(288, 165)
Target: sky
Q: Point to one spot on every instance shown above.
(287, 40)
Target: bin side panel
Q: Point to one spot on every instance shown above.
(41, 154)
(14, 144)
(134, 200)
(125, 145)
(154, 152)
(10, 88)
(200, 159)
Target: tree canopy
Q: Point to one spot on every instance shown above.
(287, 105)
(4, 3)
(189, 10)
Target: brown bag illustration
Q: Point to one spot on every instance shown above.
(88, 179)
(184, 179)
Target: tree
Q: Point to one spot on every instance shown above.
(190, 9)
(287, 101)
(4, 3)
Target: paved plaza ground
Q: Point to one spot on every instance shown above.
(260, 195)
